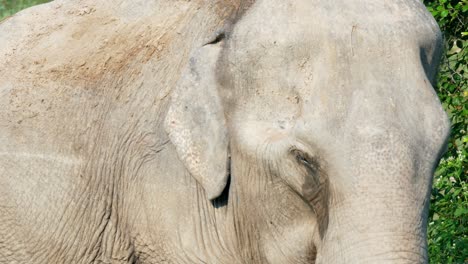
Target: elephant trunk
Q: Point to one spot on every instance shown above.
(380, 248)
(379, 239)
(379, 213)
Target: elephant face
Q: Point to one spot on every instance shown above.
(332, 127)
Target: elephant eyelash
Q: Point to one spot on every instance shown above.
(305, 159)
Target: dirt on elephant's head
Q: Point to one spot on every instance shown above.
(93, 42)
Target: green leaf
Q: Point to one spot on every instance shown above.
(460, 211)
(444, 13)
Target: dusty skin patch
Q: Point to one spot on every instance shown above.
(112, 54)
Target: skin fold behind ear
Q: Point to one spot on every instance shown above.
(196, 124)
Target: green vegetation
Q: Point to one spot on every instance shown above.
(448, 217)
(10, 7)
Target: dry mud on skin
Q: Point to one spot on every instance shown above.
(87, 44)
(84, 80)
(78, 61)
(90, 44)
(88, 51)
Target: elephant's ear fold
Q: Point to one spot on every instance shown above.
(196, 124)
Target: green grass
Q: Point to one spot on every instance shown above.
(10, 7)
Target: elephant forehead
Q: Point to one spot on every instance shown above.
(331, 39)
(343, 60)
(273, 32)
(326, 51)
(303, 17)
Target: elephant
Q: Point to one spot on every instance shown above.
(240, 131)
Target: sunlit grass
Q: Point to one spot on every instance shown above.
(10, 7)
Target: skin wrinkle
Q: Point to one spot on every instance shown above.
(117, 165)
(133, 201)
(265, 172)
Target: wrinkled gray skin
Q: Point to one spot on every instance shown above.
(121, 123)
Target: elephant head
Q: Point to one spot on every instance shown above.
(323, 115)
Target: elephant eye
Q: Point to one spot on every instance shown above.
(306, 160)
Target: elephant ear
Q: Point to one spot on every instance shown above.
(196, 124)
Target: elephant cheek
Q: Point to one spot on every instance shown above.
(292, 243)
(318, 198)
(316, 192)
